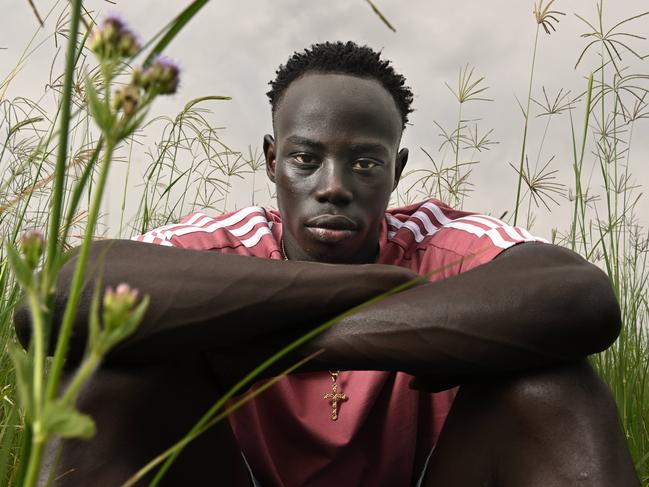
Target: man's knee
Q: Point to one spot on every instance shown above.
(552, 426)
(561, 423)
(565, 390)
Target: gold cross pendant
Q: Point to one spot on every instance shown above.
(334, 397)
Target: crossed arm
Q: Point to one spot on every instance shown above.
(533, 305)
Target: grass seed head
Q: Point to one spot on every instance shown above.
(545, 17)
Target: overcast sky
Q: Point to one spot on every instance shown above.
(233, 48)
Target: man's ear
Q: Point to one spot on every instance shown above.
(270, 155)
(399, 164)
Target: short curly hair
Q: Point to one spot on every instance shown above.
(342, 58)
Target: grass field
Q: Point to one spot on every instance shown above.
(55, 165)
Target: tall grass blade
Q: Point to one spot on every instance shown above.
(173, 28)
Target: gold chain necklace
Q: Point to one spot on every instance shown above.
(334, 397)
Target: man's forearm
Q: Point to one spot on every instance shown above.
(206, 300)
(535, 305)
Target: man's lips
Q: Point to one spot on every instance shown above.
(332, 222)
(331, 229)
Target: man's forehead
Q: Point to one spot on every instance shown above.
(335, 85)
(316, 100)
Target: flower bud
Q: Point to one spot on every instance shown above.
(125, 292)
(31, 245)
(163, 77)
(97, 42)
(128, 46)
(136, 80)
(118, 304)
(127, 99)
(114, 40)
(113, 28)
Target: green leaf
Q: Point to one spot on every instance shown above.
(173, 28)
(93, 320)
(22, 123)
(145, 217)
(138, 314)
(201, 99)
(381, 16)
(98, 109)
(20, 268)
(23, 368)
(173, 183)
(66, 422)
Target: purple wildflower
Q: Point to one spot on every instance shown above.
(114, 39)
(112, 28)
(162, 77)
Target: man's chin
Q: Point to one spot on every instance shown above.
(343, 252)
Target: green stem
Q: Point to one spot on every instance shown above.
(579, 198)
(573, 224)
(457, 155)
(57, 193)
(128, 172)
(77, 281)
(39, 353)
(527, 117)
(87, 368)
(24, 452)
(173, 162)
(545, 134)
(35, 455)
(38, 435)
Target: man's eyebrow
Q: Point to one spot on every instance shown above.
(298, 140)
(354, 148)
(368, 147)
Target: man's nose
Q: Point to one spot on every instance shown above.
(334, 185)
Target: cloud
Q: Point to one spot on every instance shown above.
(233, 48)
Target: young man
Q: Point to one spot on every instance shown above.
(510, 324)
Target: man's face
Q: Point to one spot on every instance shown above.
(334, 161)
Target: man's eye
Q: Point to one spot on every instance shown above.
(365, 164)
(304, 158)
